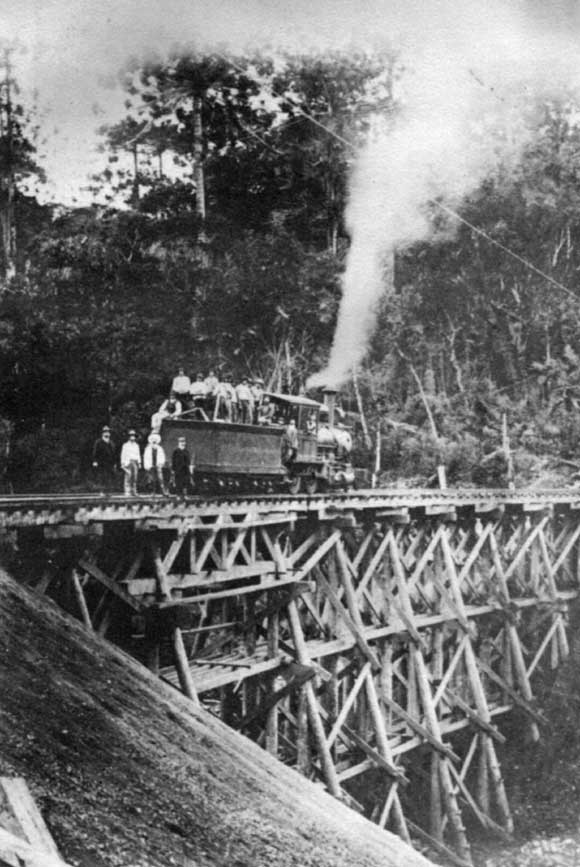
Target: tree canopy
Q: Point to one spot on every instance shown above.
(223, 245)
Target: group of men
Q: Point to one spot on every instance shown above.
(153, 461)
(219, 399)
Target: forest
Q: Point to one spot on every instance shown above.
(222, 242)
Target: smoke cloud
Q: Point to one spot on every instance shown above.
(471, 70)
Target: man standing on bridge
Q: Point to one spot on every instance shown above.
(154, 463)
(182, 469)
(104, 460)
(130, 464)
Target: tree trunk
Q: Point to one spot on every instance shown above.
(135, 190)
(7, 183)
(198, 173)
(199, 178)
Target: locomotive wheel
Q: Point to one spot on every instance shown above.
(295, 485)
(311, 484)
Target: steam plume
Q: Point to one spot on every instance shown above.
(454, 129)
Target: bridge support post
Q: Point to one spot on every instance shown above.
(373, 640)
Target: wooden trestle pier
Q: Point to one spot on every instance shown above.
(373, 640)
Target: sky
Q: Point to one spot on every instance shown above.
(71, 47)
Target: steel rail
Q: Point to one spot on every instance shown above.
(396, 496)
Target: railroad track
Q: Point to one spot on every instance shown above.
(367, 498)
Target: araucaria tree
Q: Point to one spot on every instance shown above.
(17, 160)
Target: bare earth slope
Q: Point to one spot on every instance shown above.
(126, 773)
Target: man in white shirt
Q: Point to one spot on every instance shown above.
(198, 392)
(153, 463)
(181, 385)
(130, 463)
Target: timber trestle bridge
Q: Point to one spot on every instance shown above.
(374, 640)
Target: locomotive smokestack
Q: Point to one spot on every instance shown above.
(330, 402)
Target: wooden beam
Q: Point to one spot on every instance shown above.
(98, 574)
(81, 601)
(313, 711)
(347, 705)
(20, 814)
(452, 856)
(205, 578)
(182, 666)
(518, 699)
(70, 531)
(419, 729)
(300, 586)
(17, 852)
(347, 619)
(475, 718)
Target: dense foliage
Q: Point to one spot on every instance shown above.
(223, 244)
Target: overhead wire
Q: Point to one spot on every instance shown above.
(436, 203)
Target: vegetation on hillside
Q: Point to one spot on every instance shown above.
(223, 244)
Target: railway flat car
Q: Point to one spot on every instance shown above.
(248, 457)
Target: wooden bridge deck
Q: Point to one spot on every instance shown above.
(27, 510)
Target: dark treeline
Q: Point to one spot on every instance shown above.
(223, 244)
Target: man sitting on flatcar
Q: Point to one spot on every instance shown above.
(170, 408)
(181, 385)
(198, 392)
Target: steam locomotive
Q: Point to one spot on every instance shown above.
(229, 456)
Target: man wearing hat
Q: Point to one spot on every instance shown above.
(154, 463)
(182, 468)
(130, 463)
(104, 460)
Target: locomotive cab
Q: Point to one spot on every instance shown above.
(321, 461)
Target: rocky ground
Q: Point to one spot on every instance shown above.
(126, 774)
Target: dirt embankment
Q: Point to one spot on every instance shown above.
(126, 773)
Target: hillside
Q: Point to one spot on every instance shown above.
(126, 773)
